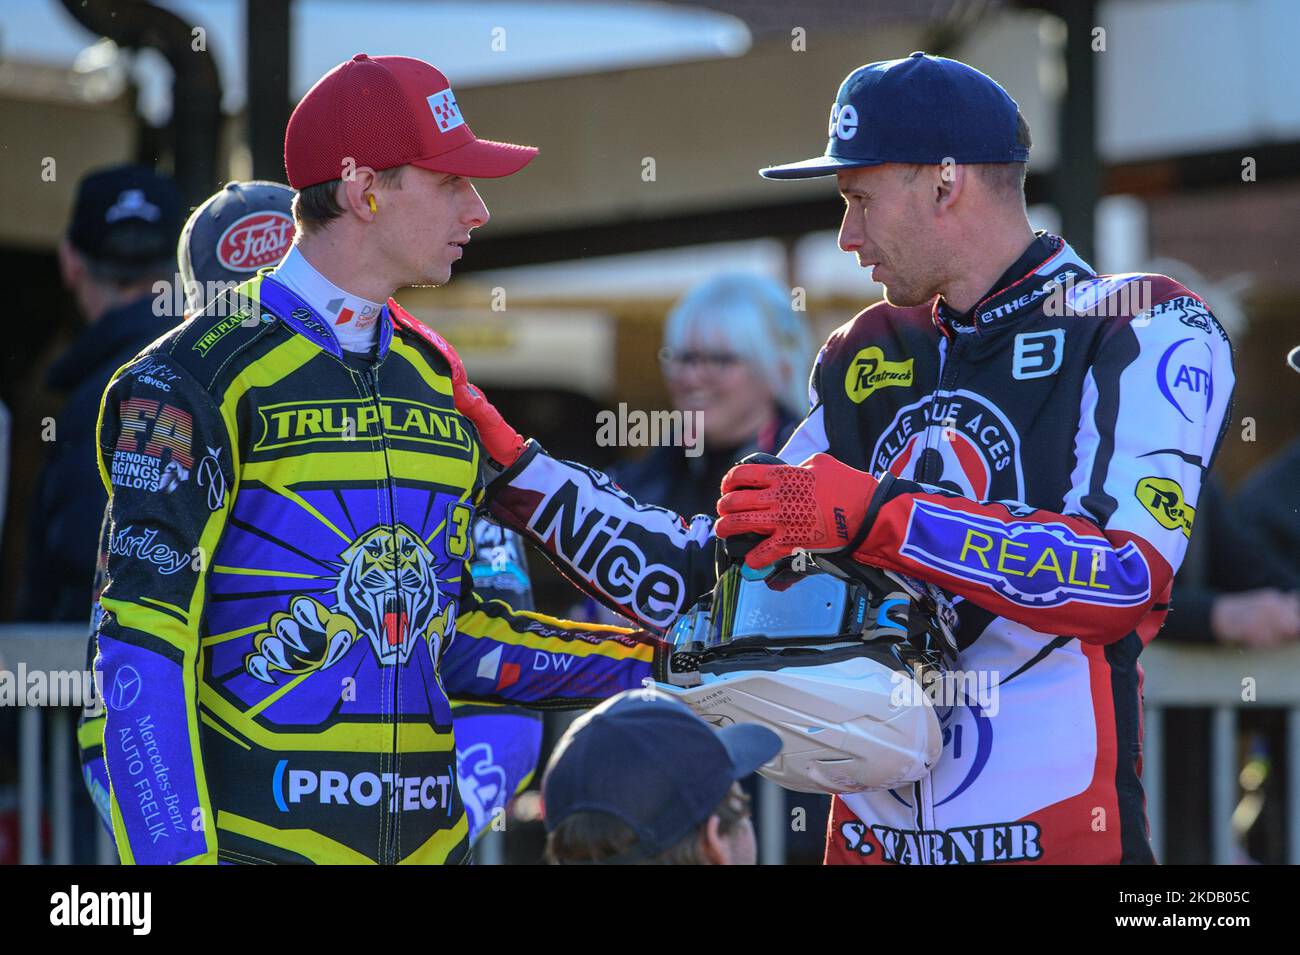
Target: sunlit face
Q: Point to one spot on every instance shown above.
(730, 393)
(426, 222)
(889, 224)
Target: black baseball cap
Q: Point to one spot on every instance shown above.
(241, 228)
(920, 109)
(126, 215)
(647, 760)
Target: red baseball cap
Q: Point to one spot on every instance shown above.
(383, 112)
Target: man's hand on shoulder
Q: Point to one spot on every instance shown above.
(503, 443)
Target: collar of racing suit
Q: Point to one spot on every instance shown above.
(338, 321)
(1047, 263)
(302, 317)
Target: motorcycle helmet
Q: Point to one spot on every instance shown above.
(832, 655)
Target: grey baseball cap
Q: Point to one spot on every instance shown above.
(242, 228)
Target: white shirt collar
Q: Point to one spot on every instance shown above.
(355, 320)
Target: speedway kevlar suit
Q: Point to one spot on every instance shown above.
(289, 610)
(497, 747)
(1041, 461)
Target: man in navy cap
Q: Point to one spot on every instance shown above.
(120, 242)
(936, 152)
(1007, 425)
(641, 780)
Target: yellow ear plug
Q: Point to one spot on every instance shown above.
(373, 208)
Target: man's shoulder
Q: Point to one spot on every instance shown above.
(212, 344)
(879, 323)
(410, 331)
(1143, 300)
(1259, 491)
(92, 385)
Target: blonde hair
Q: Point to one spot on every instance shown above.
(750, 315)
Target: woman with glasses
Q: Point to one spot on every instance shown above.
(735, 352)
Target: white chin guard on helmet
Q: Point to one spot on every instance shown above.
(831, 657)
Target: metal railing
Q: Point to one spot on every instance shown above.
(49, 648)
(1224, 681)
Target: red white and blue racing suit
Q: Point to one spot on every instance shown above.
(1040, 459)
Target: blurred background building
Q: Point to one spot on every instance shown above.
(1166, 138)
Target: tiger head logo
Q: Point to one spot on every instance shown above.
(387, 589)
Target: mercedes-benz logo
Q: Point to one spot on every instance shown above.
(717, 720)
(126, 688)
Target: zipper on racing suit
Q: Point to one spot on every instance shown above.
(388, 847)
(947, 378)
(927, 473)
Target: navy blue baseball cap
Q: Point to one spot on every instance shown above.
(647, 760)
(922, 109)
(126, 215)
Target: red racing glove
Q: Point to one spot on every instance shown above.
(503, 443)
(819, 506)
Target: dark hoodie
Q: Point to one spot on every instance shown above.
(669, 478)
(68, 506)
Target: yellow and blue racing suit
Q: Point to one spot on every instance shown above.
(289, 612)
(497, 746)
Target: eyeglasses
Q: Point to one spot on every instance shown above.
(707, 361)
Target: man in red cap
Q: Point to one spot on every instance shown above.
(290, 605)
(370, 129)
